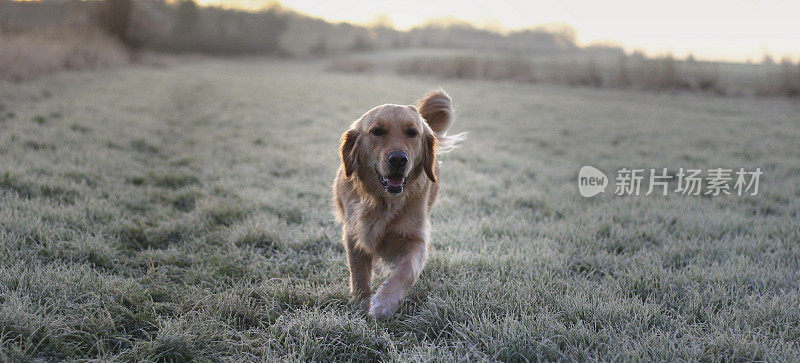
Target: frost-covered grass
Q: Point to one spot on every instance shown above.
(183, 213)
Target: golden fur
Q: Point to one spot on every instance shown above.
(378, 226)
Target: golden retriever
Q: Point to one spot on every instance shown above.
(384, 191)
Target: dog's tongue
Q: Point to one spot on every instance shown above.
(395, 181)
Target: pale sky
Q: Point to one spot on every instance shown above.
(734, 30)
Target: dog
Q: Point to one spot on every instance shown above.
(384, 190)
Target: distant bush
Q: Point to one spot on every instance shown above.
(32, 54)
(452, 67)
(115, 18)
(454, 33)
(320, 49)
(513, 67)
(188, 28)
(664, 73)
(156, 24)
(38, 38)
(790, 78)
(361, 43)
(467, 67)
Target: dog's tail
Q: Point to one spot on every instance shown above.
(437, 110)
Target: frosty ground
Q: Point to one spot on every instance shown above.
(184, 213)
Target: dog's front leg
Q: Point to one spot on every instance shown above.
(407, 268)
(360, 264)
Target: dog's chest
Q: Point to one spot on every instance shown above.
(374, 221)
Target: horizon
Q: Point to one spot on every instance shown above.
(741, 30)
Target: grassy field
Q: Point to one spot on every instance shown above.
(184, 213)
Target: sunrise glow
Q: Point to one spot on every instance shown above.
(734, 30)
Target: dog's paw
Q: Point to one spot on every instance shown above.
(382, 308)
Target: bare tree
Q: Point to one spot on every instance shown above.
(115, 17)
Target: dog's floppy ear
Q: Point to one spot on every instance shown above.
(347, 149)
(429, 159)
(437, 110)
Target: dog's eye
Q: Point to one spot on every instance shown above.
(378, 131)
(411, 133)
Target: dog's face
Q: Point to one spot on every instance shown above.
(389, 145)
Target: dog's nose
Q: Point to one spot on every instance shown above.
(398, 159)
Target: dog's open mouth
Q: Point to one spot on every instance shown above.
(393, 183)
